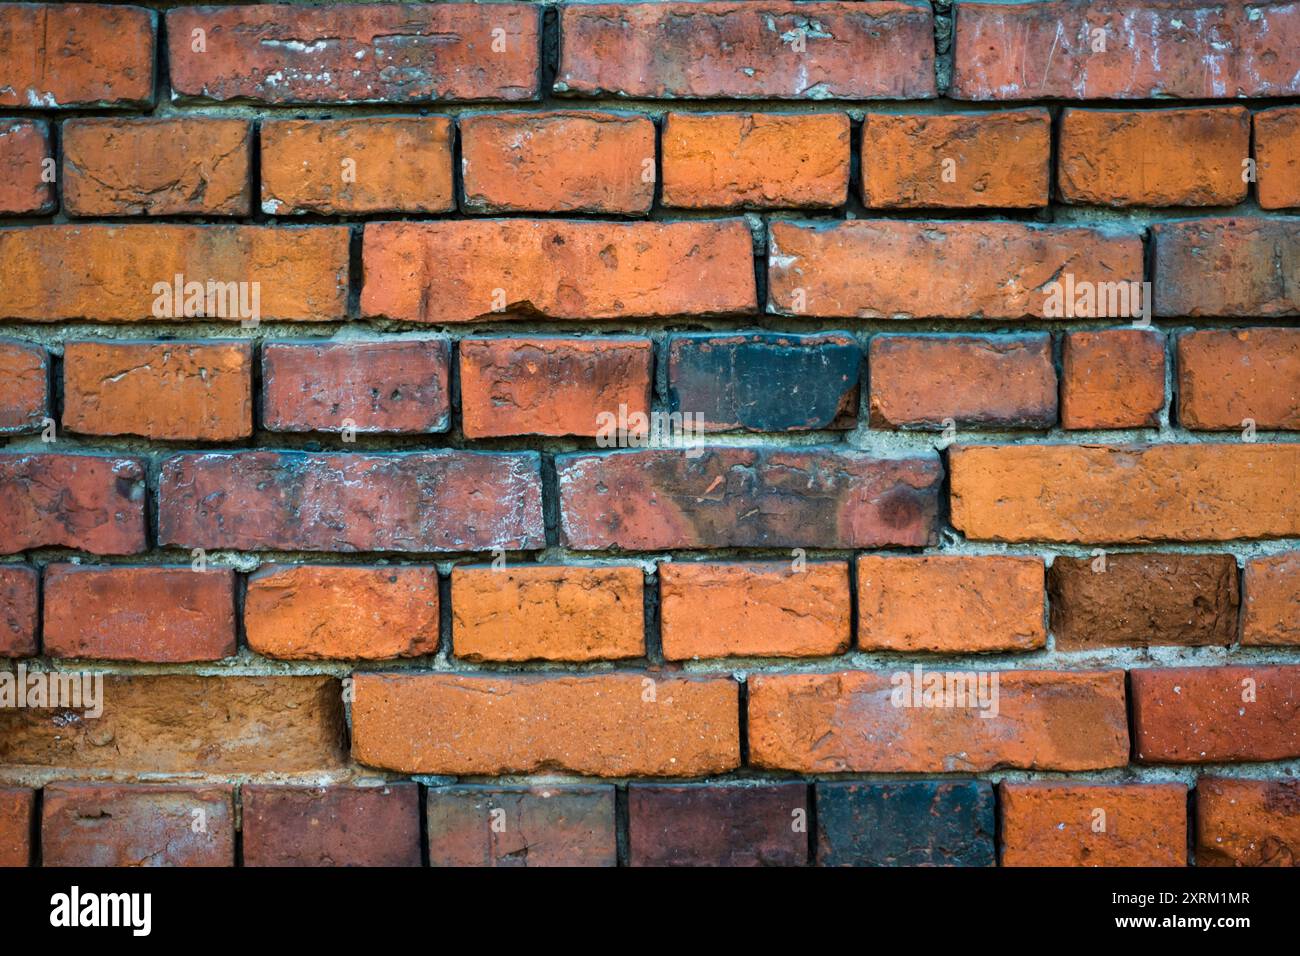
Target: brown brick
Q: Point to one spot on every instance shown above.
(460, 271)
(480, 825)
(1215, 714)
(331, 826)
(1226, 376)
(710, 825)
(87, 824)
(1247, 822)
(1124, 493)
(317, 612)
(89, 502)
(525, 613)
(950, 603)
(1248, 266)
(1272, 601)
(157, 167)
(603, 725)
(24, 387)
(544, 385)
(158, 614)
(1129, 824)
(19, 610)
(1277, 152)
(17, 807)
(753, 609)
(1113, 378)
(394, 386)
(197, 391)
(560, 161)
(355, 166)
(957, 160)
(755, 160)
(26, 165)
(991, 381)
(849, 721)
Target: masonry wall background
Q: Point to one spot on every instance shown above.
(436, 621)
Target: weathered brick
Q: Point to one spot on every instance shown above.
(765, 381)
(338, 53)
(755, 160)
(710, 825)
(1123, 49)
(545, 385)
(957, 160)
(870, 721)
(377, 164)
(331, 826)
(180, 723)
(300, 501)
(1122, 158)
(558, 161)
(1246, 266)
(460, 271)
(1272, 600)
(988, 381)
(394, 386)
(1277, 153)
(1124, 493)
(1226, 376)
(950, 603)
(919, 269)
(478, 825)
(753, 609)
(158, 614)
(157, 167)
(92, 503)
(524, 613)
(127, 273)
(61, 55)
(24, 387)
(19, 610)
(317, 612)
(88, 824)
(1143, 600)
(1215, 714)
(26, 168)
(17, 807)
(1074, 824)
(745, 498)
(1247, 822)
(926, 823)
(198, 391)
(1113, 378)
(603, 725)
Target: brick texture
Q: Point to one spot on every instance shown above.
(905, 824)
(1112, 378)
(26, 160)
(718, 826)
(25, 392)
(521, 826)
(91, 503)
(1271, 611)
(331, 826)
(1228, 376)
(19, 610)
(1247, 822)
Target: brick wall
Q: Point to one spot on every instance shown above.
(983, 318)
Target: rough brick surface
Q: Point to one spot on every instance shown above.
(905, 824)
(26, 165)
(1247, 822)
(92, 503)
(1232, 266)
(704, 825)
(1277, 151)
(331, 826)
(19, 610)
(520, 826)
(24, 387)
(1226, 376)
(16, 810)
(1272, 600)
(1112, 378)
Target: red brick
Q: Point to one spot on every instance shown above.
(1207, 714)
(87, 824)
(950, 603)
(745, 498)
(393, 386)
(92, 503)
(916, 269)
(337, 53)
(989, 381)
(1130, 824)
(158, 614)
(523, 613)
(755, 160)
(562, 161)
(1113, 378)
(712, 825)
(26, 168)
(198, 391)
(1272, 600)
(24, 387)
(60, 55)
(753, 609)
(1227, 267)
(315, 612)
(1277, 152)
(1122, 158)
(479, 825)
(1247, 822)
(601, 725)
(157, 167)
(355, 166)
(460, 271)
(300, 501)
(117, 273)
(848, 721)
(19, 610)
(735, 50)
(1226, 376)
(544, 385)
(331, 826)
(1124, 493)
(17, 807)
(1153, 48)
(957, 160)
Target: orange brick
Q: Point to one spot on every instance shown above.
(1226, 376)
(90, 502)
(24, 387)
(1272, 600)
(1233, 266)
(1277, 153)
(26, 168)
(1113, 378)
(17, 811)
(19, 609)
(1247, 822)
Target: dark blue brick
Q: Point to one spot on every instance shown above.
(905, 824)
